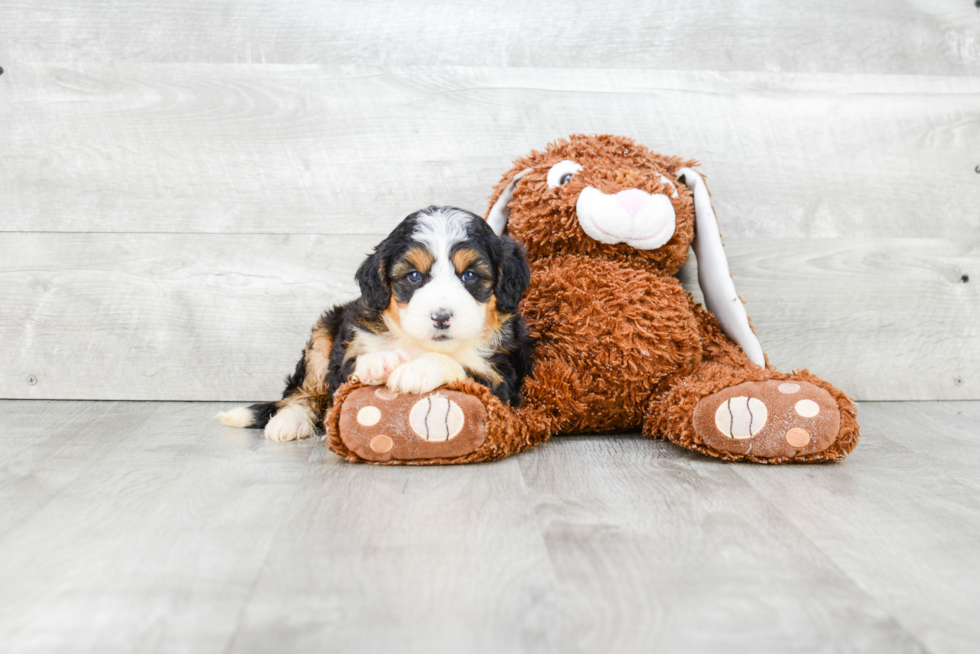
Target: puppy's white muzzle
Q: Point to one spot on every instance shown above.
(443, 294)
(641, 220)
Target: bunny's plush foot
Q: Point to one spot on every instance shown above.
(459, 423)
(756, 415)
(769, 419)
(379, 425)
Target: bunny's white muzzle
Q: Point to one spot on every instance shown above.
(642, 220)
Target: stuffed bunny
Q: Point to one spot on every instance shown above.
(621, 345)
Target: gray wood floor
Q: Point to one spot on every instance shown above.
(146, 527)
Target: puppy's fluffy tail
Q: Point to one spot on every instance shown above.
(255, 416)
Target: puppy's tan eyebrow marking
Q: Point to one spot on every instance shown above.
(464, 258)
(420, 258)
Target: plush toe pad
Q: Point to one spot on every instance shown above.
(768, 419)
(379, 425)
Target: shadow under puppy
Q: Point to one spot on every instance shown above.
(438, 303)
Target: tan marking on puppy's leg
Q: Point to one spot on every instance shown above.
(317, 359)
(298, 414)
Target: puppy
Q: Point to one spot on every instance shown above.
(438, 303)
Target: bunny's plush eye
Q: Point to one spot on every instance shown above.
(562, 172)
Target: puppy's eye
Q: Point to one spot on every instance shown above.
(415, 277)
(468, 276)
(562, 172)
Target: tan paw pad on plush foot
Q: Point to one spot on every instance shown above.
(380, 425)
(768, 419)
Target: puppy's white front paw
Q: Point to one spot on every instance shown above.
(289, 423)
(375, 367)
(423, 375)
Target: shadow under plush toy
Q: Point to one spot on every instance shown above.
(620, 344)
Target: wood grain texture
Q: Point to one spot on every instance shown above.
(860, 517)
(404, 559)
(150, 527)
(154, 541)
(657, 549)
(47, 446)
(878, 36)
(887, 319)
(816, 124)
(150, 316)
(225, 317)
(350, 150)
(942, 434)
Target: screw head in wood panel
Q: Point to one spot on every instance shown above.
(958, 380)
(31, 380)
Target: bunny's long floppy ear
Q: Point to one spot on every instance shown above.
(713, 274)
(499, 213)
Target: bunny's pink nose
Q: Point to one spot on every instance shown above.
(633, 200)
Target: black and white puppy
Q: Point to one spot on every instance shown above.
(438, 303)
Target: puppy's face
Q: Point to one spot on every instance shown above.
(444, 279)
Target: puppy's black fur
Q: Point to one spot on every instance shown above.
(320, 373)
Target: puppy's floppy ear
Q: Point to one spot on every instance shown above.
(513, 275)
(372, 277)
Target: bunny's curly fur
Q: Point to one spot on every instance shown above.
(621, 345)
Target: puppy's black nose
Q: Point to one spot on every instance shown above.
(441, 318)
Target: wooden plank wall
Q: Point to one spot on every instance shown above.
(185, 185)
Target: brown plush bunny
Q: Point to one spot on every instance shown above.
(620, 344)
